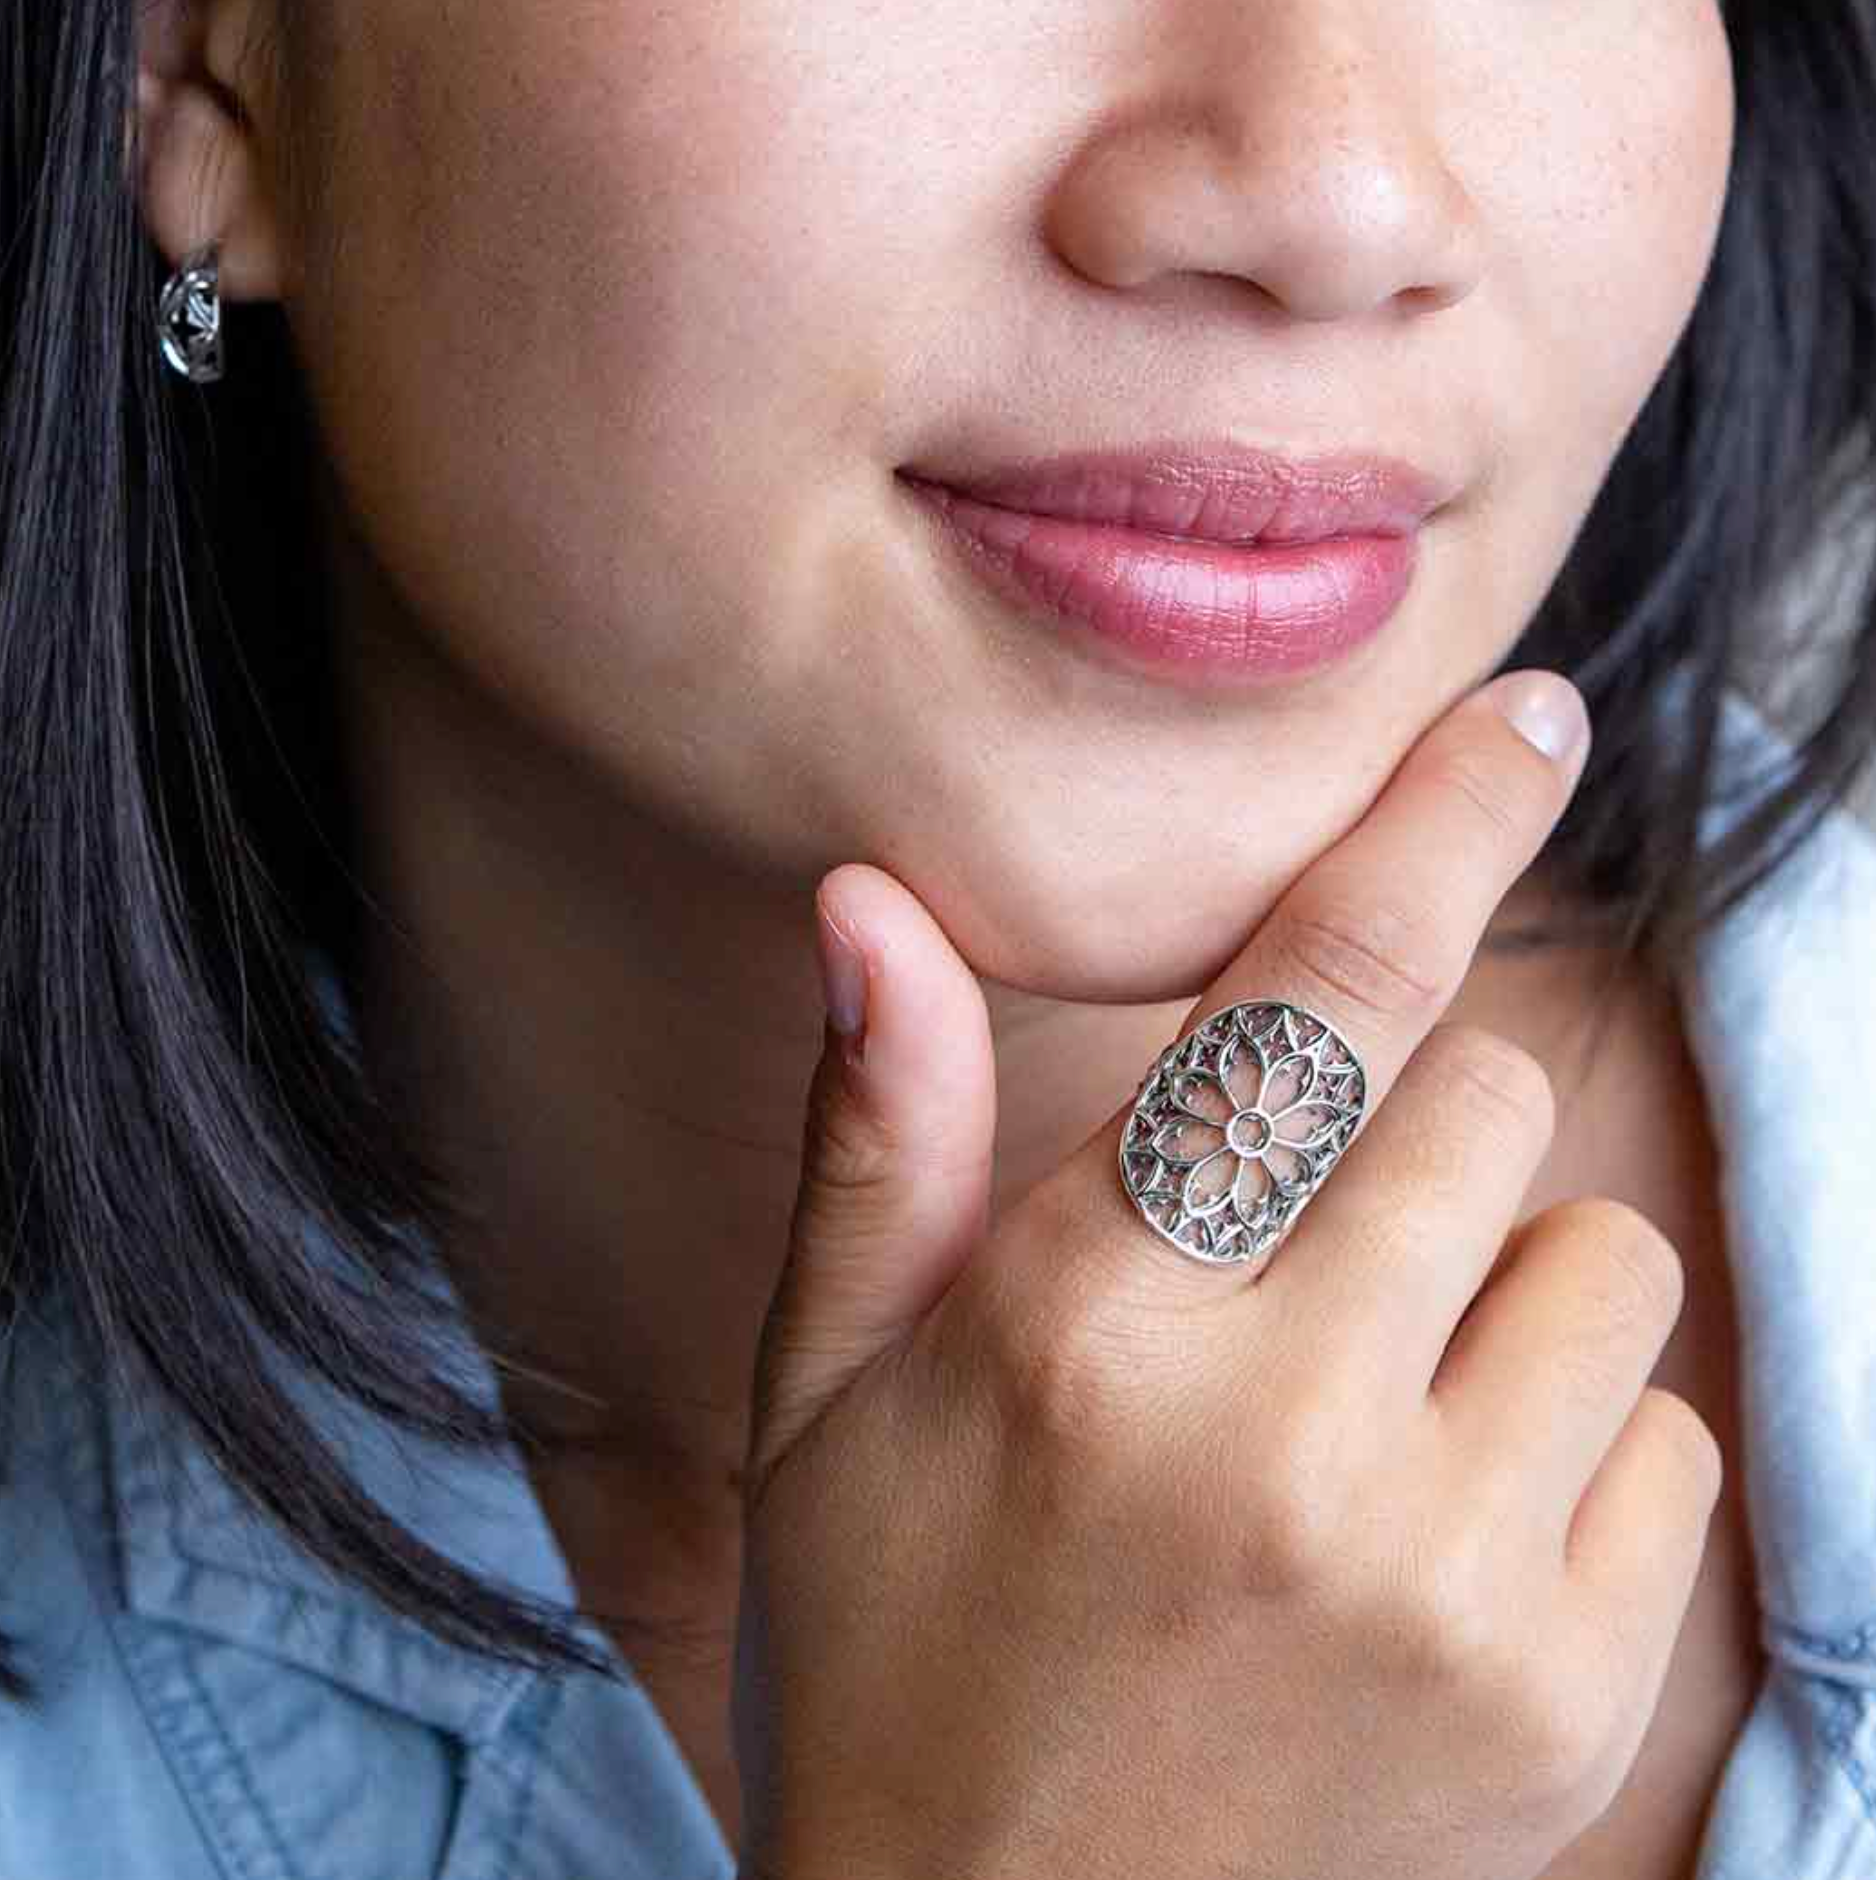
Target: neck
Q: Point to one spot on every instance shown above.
(604, 1030)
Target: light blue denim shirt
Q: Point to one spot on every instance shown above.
(214, 1704)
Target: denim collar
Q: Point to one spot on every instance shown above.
(195, 1553)
(1780, 1007)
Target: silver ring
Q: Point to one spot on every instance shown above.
(1237, 1125)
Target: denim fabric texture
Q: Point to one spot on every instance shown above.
(217, 1707)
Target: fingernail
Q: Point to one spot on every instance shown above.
(1546, 710)
(843, 982)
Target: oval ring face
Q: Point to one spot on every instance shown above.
(1237, 1125)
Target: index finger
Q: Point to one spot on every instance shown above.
(1379, 933)
(1374, 939)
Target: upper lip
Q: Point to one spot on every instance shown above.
(1216, 492)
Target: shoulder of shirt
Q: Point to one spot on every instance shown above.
(209, 1700)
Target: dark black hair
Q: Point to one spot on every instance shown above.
(175, 833)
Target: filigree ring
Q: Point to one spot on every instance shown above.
(1237, 1125)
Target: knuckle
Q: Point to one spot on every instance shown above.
(1687, 1435)
(841, 1210)
(1536, 1693)
(1622, 1282)
(1053, 1382)
(1376, 957)
(859, 1164)
(1291, 1513)
(1285, 1547)
(1507, 1089)
(1557, 1726)
(1544, 1708)
(1638, 1275)
(1492, 791)
(1448, 1630)
(845, 1143)
(1053, 1400)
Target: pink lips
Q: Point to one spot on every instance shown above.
(1218, 564)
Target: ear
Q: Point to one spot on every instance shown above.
(205, 110)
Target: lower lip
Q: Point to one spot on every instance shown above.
(1183, 606)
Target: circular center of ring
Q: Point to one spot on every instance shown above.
(1249, 1133)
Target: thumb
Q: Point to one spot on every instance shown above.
(896, 1162)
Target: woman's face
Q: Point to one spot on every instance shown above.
(622, 318)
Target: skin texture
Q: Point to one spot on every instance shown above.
(619, 318)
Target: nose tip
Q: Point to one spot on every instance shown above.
(1333, 200)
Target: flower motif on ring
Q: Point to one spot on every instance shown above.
(1250, 1131)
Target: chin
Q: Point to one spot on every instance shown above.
(1095, 941)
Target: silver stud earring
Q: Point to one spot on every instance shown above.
(188, 316)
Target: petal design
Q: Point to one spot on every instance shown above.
(1215, 1030)
(1241, 1067)
(1253, 1186)
(1291, 1079)
(1261, 1022)
(1188, 1139)
(1208, 1187)
(1306, 1030)
(1306, 1125)
(1235, 1126)
(1291, 1168)
(1200, 1094)
(1336, 1056)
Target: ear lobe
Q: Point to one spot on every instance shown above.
(200, 173)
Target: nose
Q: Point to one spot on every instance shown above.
(1305, 160)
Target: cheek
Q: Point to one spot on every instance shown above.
(585, 264)
(1614, 193)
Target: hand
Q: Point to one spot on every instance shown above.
(1069, 1555)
